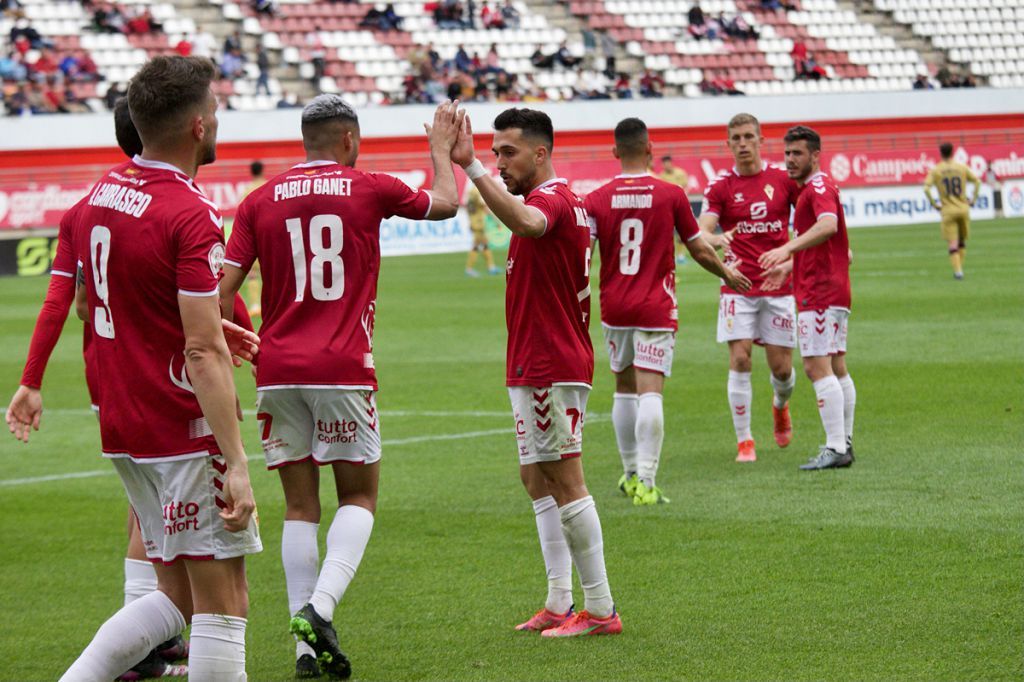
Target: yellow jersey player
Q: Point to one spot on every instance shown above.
(677, 176)
(478, 212)
(950, 179)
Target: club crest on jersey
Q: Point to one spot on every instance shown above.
(216, 258)
(769, 191)
(508, 266)
(738, 197)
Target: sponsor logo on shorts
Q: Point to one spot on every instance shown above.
(783, 322)
(337, 431)
(180, 516)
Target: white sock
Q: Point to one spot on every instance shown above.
(557, 561)
(300, 556)
(849, 404)
(346, 542)
(139, 580)
(582, 529)
(740, 396)
(783, 389)
(650, 432)
(126, 638)
(624, 407)
(830, 407)
(216, 648)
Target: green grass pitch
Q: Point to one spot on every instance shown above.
(907, 566)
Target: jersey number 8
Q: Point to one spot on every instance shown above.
(99, 254)
(325, 253)
(631, 233)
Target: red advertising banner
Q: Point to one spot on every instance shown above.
(25, 204)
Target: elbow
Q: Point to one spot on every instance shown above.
(82, 310)
(447, 209)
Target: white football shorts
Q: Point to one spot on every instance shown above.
(823, 332)
(325, 424)
(549, 421)
(178, 504)
(650, 350)
(767, 320)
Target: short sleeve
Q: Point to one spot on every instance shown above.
(929, 180)
(588, 205)
(397, 198)
(549, 205)
(713, 198)
(686, 224)
(825, 201)
(64, 262)
(241, 248)
(200, 251)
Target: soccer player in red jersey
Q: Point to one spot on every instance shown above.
(633, 218)
(315, 230)
(821, 284)
(550, 361)
(751, 203)
(151, 246)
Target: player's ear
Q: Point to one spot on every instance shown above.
(615, 151)
(198, 127)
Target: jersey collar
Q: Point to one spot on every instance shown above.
(552, 181)
(156, 165)
(632, 175)
(736, 171)
(315, 164)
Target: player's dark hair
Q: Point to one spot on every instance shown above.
(631, 137)
(946, 150)
(325, 118)
(124, 130)
(166, 90)
(256, 169)
(742, 120)
(666, 158)
(808, 135)
(534, 124)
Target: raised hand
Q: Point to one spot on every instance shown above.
(444, 132)
(24, 412)
(462, 153)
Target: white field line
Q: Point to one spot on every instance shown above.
(10, 482)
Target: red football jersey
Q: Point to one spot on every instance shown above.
(59, 297)
(821, 274)
(315, 230)
(146, 235)
(547, 295)
(756, 209)
(633, 218)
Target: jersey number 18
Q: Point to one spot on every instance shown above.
(325, 253)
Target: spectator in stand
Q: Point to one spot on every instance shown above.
(623, 89)
(448, 15)
(592, 85)
(232, 65)
(17, 102)
(265, 7)
(799, 51)
(12, 68)
(651, 84)
(391, 21)
(233, 42)
(922, 83)
(203, 43)
(288, 100)
(809, 69)
(263, 64)
(725, 85)
(491, 18)
(463, 62)
(492, 63)
(510, 14)
(418, 60)
(776, 5)
(115, 92)
(23, 32)
(699, 26)
(11, 8)
(142, 23)
(541, 60)
(108, 18)
(608, 47)
(45, 67)
(565, 57)
(737, 27)
(183, 47)
(434, 56)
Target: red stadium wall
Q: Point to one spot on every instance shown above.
(37, 185)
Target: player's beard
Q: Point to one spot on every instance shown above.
(209, 152)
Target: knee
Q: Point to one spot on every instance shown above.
(365, 499)
(306, 509)
(741, 363)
